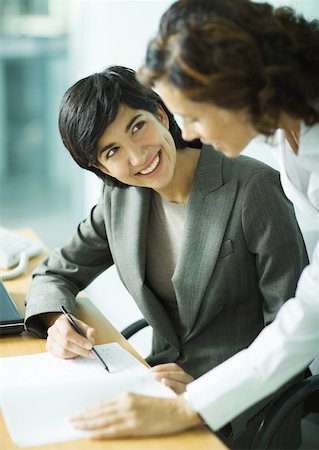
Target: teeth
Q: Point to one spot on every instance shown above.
(152, 167)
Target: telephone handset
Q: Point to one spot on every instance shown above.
(15, 252)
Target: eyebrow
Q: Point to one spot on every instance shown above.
(127, 128)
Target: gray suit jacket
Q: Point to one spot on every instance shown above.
(241, 256)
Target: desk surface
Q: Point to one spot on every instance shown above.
(27, 344)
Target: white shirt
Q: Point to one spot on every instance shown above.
(291, 342)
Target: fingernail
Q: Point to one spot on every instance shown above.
(88, 346)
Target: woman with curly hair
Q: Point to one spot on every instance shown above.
(233, 70)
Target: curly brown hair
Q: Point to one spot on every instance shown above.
(238, 54)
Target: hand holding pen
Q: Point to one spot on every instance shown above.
(80, 332)
(55, 335)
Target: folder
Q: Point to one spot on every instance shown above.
(11, 321)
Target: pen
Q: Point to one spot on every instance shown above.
(78, 330)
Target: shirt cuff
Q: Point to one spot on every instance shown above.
(216, 395)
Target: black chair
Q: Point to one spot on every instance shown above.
(299, 392)
(134, 328)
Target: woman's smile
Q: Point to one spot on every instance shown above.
(150, 168)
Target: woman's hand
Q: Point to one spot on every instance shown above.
(64, 342)
(172, 376)
(136, 415)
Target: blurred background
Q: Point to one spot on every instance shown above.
(39, 185)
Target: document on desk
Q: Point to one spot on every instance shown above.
(39, 392)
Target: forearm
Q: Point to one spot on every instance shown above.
(44, 298)
(68, 270)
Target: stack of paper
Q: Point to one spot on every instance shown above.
(39, 392)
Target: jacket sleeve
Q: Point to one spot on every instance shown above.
(273, 236)
(280, 351)
(68, 270)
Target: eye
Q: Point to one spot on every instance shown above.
(138, 126)
(111, 152)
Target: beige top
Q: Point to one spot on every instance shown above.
(165, 231)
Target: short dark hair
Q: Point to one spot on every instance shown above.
(91, 105)
(239, 54)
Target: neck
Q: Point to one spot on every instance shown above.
(291, 125)
(180, 187)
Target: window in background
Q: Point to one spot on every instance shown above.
(40, 186)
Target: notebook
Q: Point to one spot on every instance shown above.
(11, 321)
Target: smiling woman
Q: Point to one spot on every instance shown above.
(88, 111)
(176, 267)
(138, 149)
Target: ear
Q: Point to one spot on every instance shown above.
(162, 115)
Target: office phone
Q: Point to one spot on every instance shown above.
(15, 252)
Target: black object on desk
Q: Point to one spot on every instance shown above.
(11, 321)
(78, 330)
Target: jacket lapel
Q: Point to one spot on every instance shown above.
(129, 230)
(209, 207)
(130, 211)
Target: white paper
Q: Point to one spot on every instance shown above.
(45, 368)
(39, 392)
(118, 359)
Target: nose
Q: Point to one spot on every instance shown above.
(137, 155)
(188, 132)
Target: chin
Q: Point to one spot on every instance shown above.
(231, 153)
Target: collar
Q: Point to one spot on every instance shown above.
(299, 174)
